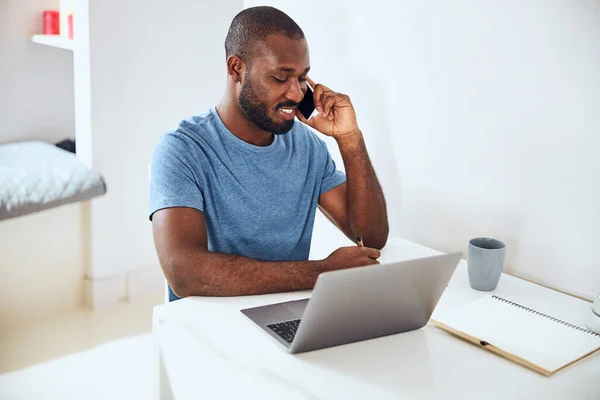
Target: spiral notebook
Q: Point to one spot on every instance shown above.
(531, 338)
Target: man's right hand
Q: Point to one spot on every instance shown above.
(192, 270)
(350, 257)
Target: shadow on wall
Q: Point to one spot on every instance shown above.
(455, 225)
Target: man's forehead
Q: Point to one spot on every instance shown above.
(279, 52)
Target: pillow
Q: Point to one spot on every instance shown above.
(36, 176)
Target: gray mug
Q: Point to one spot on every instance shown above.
(485, 263)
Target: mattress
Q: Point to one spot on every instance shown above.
(36, 176)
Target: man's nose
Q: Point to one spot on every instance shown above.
(295, 92)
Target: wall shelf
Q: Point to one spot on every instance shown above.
(53, 41)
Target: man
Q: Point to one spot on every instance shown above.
(234, 191)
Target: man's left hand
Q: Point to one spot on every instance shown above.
(336, 116)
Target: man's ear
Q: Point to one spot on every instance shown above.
(235, 68)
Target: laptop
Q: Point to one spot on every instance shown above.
(361, 303)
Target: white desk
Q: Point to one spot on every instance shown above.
(207, 349)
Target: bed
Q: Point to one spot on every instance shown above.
(36, 176)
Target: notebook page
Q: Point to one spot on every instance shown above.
(537, 339)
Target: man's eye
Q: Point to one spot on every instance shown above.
(302, 79)
(279, 80)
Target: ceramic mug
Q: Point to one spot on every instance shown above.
(485, 263)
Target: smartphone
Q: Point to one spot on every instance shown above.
(307, 105)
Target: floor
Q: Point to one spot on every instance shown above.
(58, 336)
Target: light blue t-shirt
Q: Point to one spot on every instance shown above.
(258, 202)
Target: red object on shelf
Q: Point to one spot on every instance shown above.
(51, 22)
(70, 21)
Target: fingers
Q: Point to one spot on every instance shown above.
(327, 101)
(317, 97)
(330, 100)
(371, 261)
(318, 91)
(372, 253)
(367, 251)
(317, 86)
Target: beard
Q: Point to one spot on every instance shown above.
(257, 111)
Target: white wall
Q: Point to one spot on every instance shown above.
(153, 63)
(36, 82)
(41, 255)
(482, 118)
(42, 264)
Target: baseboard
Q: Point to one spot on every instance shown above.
(107, 291)
(145, 281)
(104, 292)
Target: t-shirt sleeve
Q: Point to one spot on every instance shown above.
(173, 182)
(332, 177)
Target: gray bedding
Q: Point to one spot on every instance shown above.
(36, 176)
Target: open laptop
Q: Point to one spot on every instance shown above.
(359, 303)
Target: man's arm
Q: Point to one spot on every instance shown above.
(357, 207)
(181, 243)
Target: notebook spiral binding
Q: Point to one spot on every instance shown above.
(546, 316)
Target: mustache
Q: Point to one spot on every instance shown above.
(287, 104)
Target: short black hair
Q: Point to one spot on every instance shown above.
(252, 25)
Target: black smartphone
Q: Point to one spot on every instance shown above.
(307, 105)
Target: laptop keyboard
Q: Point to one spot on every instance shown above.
(286, 329)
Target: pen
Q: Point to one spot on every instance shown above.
(359, 241)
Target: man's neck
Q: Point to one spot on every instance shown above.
(236, 121)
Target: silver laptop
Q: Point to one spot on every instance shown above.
(359, 303)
